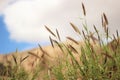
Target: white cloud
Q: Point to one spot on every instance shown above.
(3, 4)
(25, 19)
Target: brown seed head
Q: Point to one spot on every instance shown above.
(14, 58)
(75, 28)
(105, 18)
(50, 31)
(31, 53)
(72, 48)
(58, 35)
(58, 45)
(51, 41)
(24, 58)
(84, 11)
(43, 51)
(71, 39)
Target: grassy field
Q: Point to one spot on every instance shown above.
(93, 60)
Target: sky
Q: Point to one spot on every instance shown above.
(22, 21)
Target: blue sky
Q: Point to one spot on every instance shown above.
(6, 44)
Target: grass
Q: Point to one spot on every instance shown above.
(97, 61)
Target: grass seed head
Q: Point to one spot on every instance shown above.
(31, 53)
(117, 34)
(50, 31)
(24, 59)
(84, 11)
(14, 58)
(95, 29)
(58, 35)
(43, 51)
(51, 41)
(108, 56)
(105, 18)
(71, 39)
(94, 39)
(58, 45)
(72, 48)
(84, 34)
(104, 22)
(75, 28)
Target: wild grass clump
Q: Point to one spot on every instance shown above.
(12, 70)
(95, 60)
(100, 64)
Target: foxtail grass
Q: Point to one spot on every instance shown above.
(95, 60)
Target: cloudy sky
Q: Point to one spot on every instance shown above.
(22, 21)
